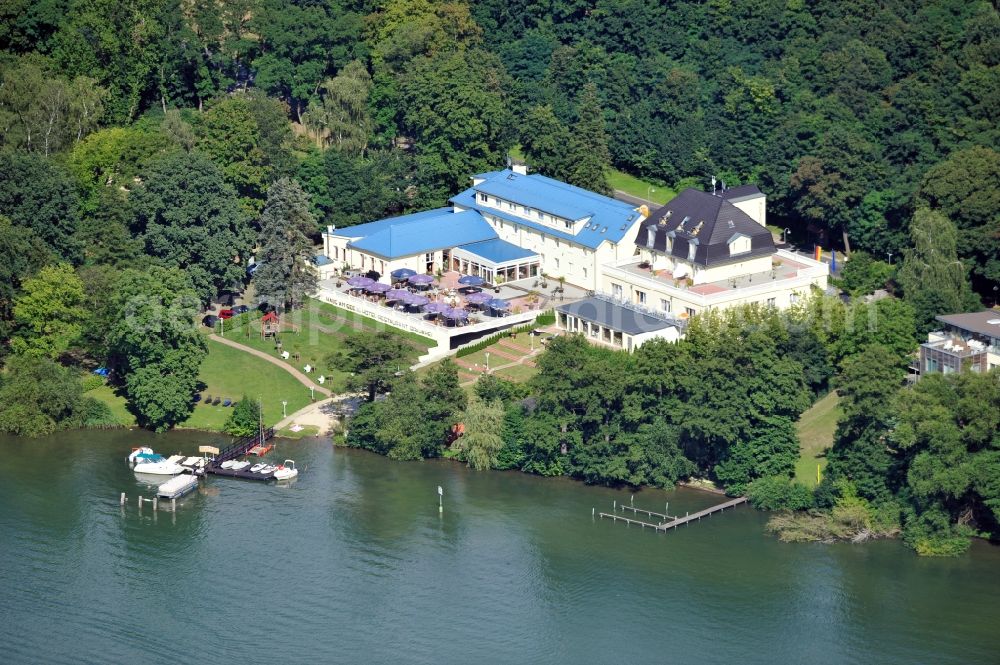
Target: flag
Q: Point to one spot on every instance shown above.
(833, 260)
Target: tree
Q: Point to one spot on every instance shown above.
(340, 118)
(482, 442)
(36, 194)
(934, 281)
(863, 274)
(154, 345)
(374, 361)
(590, 159)
(547, 143)
(189, 218)
(867, 383)
(48, 313)
(965, 188)
(244, 420)
(286, 273)
(247, 136)
(38, 396)
(948, 438)
(22, 254)
(455, 108)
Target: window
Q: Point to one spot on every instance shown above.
(664, 304)
(689, 311)
(771, 302)
(650, 236)
(482, 197)
(640, 297)
(793, 298)
(585, 273)
(429, 257)
(557, 263)
(569, 225)
(616, 290)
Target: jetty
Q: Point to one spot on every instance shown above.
(253, 444)
(669, 521)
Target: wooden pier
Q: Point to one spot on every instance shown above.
(241, 448)
(687, 519)
(669, 521)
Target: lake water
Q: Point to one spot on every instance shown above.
(353, 564)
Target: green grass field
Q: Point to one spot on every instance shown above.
(231, 373)
(816, 428)
(517, 373)
(639, 188)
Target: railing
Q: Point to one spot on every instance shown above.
(658, 314)
(243, 445)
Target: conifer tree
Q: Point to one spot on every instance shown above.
(286, 274)
(591, 156)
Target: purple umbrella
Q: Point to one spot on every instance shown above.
(478, 298)
(421, 280)
(360, 282)
(397, 294)
(417, 300)
(498, 304)
(470, 280)
(377, 287)
(436, 308)
(455, 313)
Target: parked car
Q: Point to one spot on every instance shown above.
(241, 309)
(210, 320)
(226, 314)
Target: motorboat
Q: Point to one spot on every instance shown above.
(239, 466)
(139, 451)
(151, 463)
(266, 469)
(228, 464)
(286, 470)
(177, 487)
(257, 467)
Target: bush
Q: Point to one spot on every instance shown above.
(546, 318)
(91, 381)
(244, 420)
(779, 493)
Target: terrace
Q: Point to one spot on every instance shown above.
(789, 271)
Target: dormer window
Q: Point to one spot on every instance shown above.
(739, 244)
(650, 236)
(691, 250)
(482, 197)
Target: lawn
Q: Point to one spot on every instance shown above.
(625, 182)
(816, 428)
(517, 373)
(228, 372)
(640, 188)
(115, 402)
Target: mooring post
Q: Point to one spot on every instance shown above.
(593, 512)
(156, 502)
(666, 509)
(140, 503)
(122, 500)
(615, 506)
(631, 500)
(173, 505)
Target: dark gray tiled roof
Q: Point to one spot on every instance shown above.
(616, 317)
(709, 222)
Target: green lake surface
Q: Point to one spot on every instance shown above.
(352, 563)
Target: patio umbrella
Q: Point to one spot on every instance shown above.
(436, 308)
(478, 298)
(417, 300)
(465, 290)
(420, 280)
(498, 304)
(470, 280)
(360, 282)
(377, 287)
(402, 273)
(397, 294)
(456, 314)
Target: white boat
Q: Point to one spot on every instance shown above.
(239, 466)
(139, 451)
(286, 470)
(155, 464)
(177, 487)
(257, 467)
(228, 464)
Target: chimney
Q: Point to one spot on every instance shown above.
(521, 168)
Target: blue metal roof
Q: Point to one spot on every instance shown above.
(369, 228)
(609, 219)
(423, 232)
(322, 260)
(498, 251)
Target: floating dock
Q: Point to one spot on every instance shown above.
(177, 487)
(245, 446)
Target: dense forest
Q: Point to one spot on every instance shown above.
(149, 148)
